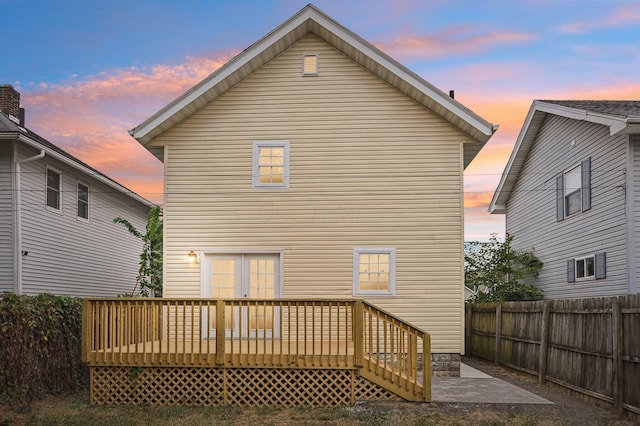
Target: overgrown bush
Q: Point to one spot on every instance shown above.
(40, 347)
(496, 272)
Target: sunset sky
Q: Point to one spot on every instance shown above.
(89, 71)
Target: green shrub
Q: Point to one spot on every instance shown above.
(40, 347)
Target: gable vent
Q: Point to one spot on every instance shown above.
(310, 64)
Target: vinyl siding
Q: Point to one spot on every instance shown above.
(635, 212)
(369, 168)
(531, 208)
(77, 257)
(6, 217)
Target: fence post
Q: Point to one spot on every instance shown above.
(220, 331)
(618, 373)
(496, 355)
(468, 328)
(544, 343)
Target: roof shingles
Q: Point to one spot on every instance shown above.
(618, 108)
(8, 126)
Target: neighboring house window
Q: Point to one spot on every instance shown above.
(374, 271)
(271, 164)
(573, 190)
(587, 268)
(309, 64)
(54, 183)
(83, 201)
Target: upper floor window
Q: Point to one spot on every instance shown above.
(374, 271)
(573, 190)
(271, 164)
(83, 201)
(54, 185)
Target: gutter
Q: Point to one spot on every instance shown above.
(17, 236)
(89, 172)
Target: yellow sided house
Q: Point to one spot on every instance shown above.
(313, 225)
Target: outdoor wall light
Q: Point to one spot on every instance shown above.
(193, 257)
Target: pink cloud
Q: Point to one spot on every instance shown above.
(90, 117)
(456, 40)
(483, 174)
(624, 16)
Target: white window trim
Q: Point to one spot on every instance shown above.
(205, 268)
(565, 194)
(46, 189)
(392, 271)
(311, 74)
(589, 277)
(255, 169)
(88, 202)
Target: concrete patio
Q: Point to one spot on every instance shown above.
(474, 386)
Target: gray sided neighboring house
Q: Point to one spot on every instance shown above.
(571, 191)
(56, 217)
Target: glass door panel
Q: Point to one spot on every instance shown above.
(263, 274)
(246, 276)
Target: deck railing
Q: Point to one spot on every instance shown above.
(257, 333)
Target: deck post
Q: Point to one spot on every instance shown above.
(426, 367)
(358, 332)
(86, 306)
(220, 331)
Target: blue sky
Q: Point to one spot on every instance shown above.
(89, 70)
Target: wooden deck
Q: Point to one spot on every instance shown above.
(237, 353)
(318, 338)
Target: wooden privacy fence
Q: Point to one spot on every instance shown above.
(591, 346)
(247, 333)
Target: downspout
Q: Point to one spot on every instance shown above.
(17, 255)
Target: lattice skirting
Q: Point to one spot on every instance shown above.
(232, 386)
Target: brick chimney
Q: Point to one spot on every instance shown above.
(10, 103)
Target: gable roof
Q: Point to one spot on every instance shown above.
(622, 117)
(12, 131)
(312, 20)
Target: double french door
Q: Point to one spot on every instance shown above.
(245, 276)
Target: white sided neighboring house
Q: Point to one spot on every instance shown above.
(323, 168)
(571, 191)
(56, 217)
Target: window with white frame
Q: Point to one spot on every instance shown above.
(374, 271)
(271, 164)
(573, 191)
(588, 267)
(573, 188)
(54, 185)
(585, 267)
(83, 201)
